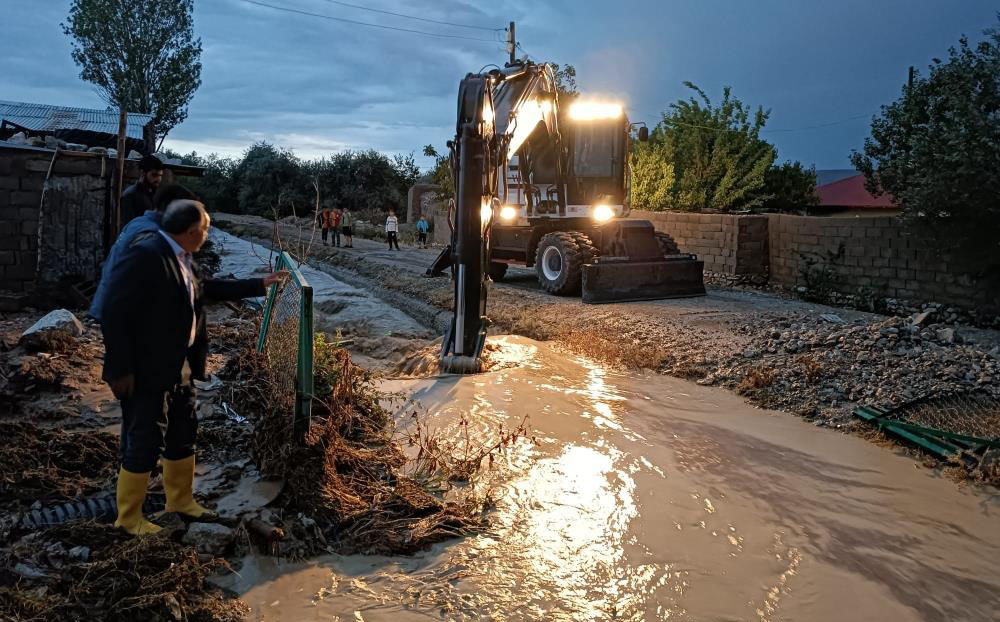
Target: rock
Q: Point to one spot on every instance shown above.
(58, 321)
(947, 335)
(100, 150)
(209, 538)
(921, 318)
(134, 155)
(832, 317)
(35, 141)
(75, 147)
(79, 553)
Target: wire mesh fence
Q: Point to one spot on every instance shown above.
(970, 414)
(286, 337)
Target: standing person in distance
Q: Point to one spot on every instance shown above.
(347, 227)
(392, 229)
(335, 225)
(324, 220)
(137, 199)
(155, 345)
(422, 228)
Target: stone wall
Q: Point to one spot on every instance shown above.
(729, 245)
(871, 256)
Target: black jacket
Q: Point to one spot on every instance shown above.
(147, 316)
(137, 199)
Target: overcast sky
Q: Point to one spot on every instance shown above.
(316, 85)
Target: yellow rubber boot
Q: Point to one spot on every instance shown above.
(130, 495)
(178, 483)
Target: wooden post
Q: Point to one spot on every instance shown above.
(122, 129)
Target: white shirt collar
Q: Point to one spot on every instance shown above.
(173, 244)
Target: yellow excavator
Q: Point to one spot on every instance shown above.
(546, 185)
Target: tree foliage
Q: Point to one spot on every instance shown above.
(441, 175)
(790, 187)
(936, 151)
(268, 181)
(652, 177)
(565, 76)
(719, 160)
(141, 55)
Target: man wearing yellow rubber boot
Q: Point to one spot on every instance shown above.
(156, 343)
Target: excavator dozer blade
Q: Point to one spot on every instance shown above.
(623, 281)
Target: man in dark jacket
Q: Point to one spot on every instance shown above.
(138, 198)
(156, 343)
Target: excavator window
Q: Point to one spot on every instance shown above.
(598, 149)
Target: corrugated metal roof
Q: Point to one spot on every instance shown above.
(42, 117)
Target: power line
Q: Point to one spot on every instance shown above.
(369, 24)
(422, 19)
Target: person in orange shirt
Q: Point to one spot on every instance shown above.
(324, 219)
(335, 225)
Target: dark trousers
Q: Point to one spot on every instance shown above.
(336, 235)
(393, 239)
(158, 422)
(422, 238)
(326, 232)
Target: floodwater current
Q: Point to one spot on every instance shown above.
(644, 497)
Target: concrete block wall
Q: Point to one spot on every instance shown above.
(74, 215)
(870, 254)
(734, 245)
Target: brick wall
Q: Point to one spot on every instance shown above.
(730, 245)
(871, 254)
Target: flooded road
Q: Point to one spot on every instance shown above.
(650, 498)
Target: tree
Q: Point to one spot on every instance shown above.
(935, 151)
(270, 181)
(565, 76)
(652, 177)
(718, 157)
(141, 55)
(790, 187)
(441, 174)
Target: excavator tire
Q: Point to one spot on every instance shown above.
(667, 245)
(559, 261)
(497, 271)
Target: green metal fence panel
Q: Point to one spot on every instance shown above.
(286, 336)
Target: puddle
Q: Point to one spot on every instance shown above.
(650, 498)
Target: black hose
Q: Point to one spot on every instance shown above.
(101, 508)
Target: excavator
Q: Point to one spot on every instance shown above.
(544, 183)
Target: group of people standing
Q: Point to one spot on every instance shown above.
(337, 220)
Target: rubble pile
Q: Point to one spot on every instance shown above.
(83, 571)
(345, 475)
(827, 366)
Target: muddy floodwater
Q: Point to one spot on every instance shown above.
(650, 498)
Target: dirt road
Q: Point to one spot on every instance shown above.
(813, 360)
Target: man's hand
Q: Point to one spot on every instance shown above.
(274, 277)
(123, 387)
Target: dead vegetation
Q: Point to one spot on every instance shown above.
(756, 378)
(85, 571)
(39, 464)
(347, 472)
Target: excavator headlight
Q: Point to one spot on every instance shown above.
(508, 213)
(485, 212)
(591, 111)
(602, 213)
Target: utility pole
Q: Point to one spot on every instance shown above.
(909, 83)
(511, 43)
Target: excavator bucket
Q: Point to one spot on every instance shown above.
(636, 263)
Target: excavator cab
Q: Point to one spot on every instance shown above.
(545, 184)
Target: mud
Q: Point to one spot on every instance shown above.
(649, 498)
